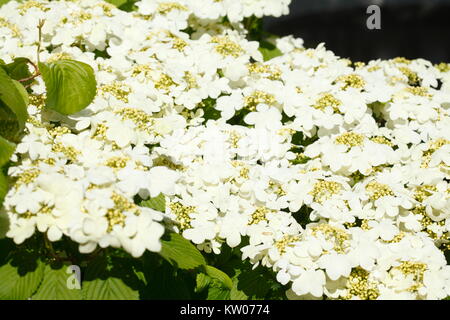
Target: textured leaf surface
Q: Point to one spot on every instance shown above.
(269, 50)
(219, 275)
(6, 150)
(14, 96)
(18, 69)
(70, 85)
(54, 286)
(218, 292)
(157, 203)
(181, 252)
(3, 191)
(103, 283)
(20, 276)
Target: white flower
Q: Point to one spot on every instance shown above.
(326, 167)
(162, 180)
(121, 134)
(309, 282)
(229, 104)
(233, 226)
(265, 117)
(336, 265)
(384, 228)
(202, 229)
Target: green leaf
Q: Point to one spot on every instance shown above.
(269, 50)
(167, 283)
(103, 282)
(70, 85)
(219, 275)
(109, 289)
(236, 294)
(6, 246)
(18, 69)
(9, 125)
(181, 252)
(208, 105)
(157, 203)
(253, 283)
(6, 150)
(54, 286)
(218, 292)
(202, 282)
(217, 283)
(117, 3)
(249, 283)
(20, 276)
(129, 6)
(2, 2)
(3, 192)
(4, 221)
(15, 97)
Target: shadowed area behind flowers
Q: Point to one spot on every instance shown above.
(411, 29)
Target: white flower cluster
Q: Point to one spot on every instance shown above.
(334, 174)
(234, 11)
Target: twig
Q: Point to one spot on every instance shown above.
(36, 72)
(40, 25)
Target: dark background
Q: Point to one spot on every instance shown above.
(409, 28)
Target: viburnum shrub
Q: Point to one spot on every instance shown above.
(173, 149)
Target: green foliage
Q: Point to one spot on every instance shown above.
(210, 112)
(157, 203)
(255, 28)
(38, 269)
(20, 274)
(117, 3)
(18, 70)
(236, 294)
(202, 282)
(70, 85)
(247, 283)
(180, 252)
(214, 284)
(302, 216)
(3, 191)
(221, 276)
(30, 271)
(217, 291)
(125, 5)
(269, 50)
(54, 285)
(14, 96)
(6, 150)
(9, 125)
(300, 139)
(252, 283)
(109, 289)
(164, 281)
(211, 289)
(4, 222)
(109, 278)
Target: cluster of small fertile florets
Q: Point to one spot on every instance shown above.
(336, 173)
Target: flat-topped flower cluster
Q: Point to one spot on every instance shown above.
(334, 174)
